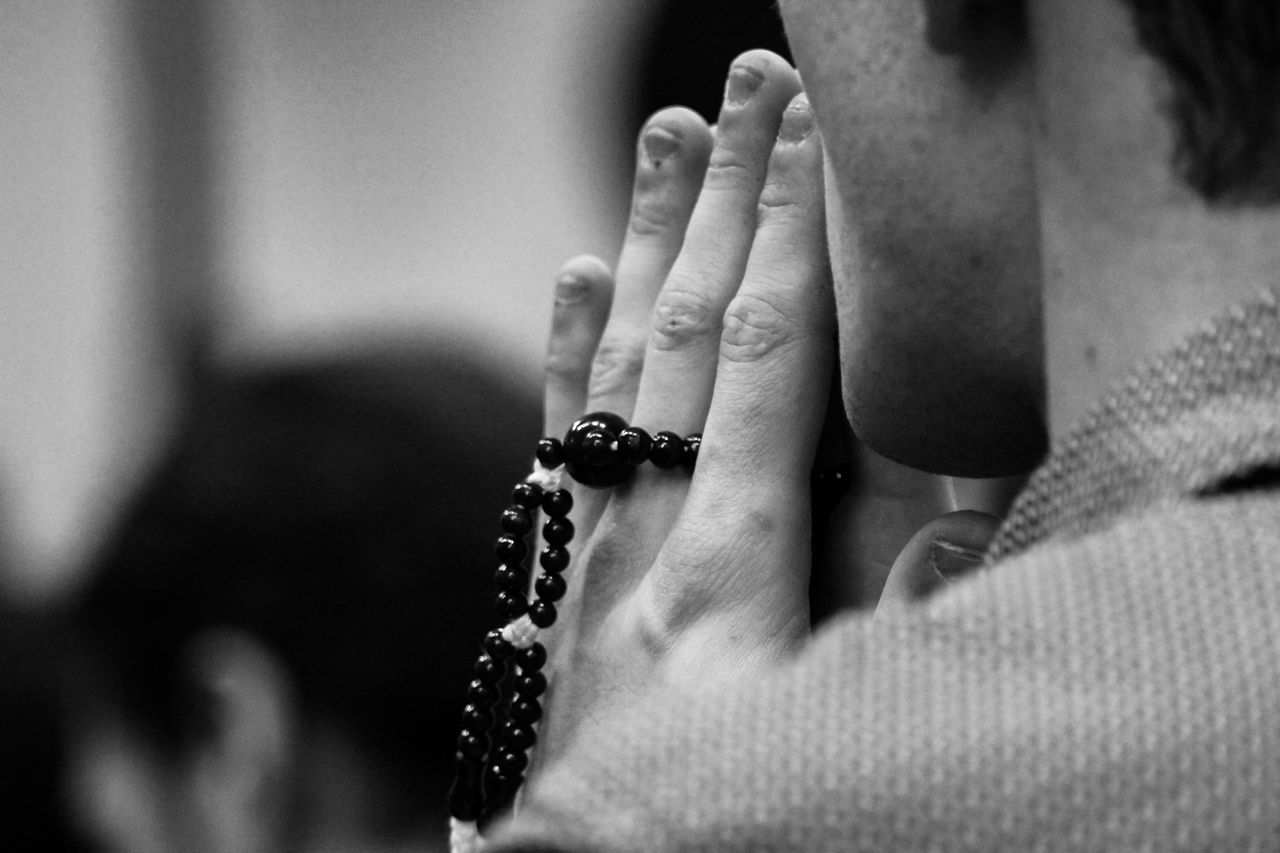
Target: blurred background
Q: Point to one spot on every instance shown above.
(193, 183)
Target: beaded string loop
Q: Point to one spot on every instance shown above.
(504, 697)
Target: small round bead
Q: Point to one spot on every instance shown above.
(527, 711)
(480, 693)
(550, 452)
(526, 495)
(542, 613)
(634, 445)
(516, 521)
(558, 503)
(512, 763)
(550, 586)
(511, 606)
(472, 746)
(489, 670)
(667, 451)
(477, 719)
(510, 549)
(554, 559)
(531, 685)
(518, 736)
(511, 579)
(497, 646)
(533, 658)
(557, 531)
(692, 444)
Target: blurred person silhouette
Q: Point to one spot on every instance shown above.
(278, 630)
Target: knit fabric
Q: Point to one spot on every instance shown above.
(1110, 681)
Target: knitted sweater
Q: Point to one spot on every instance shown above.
(1111, 679)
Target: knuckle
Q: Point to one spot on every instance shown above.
(681, 317)
(615, 368)
(727, 169)
(651, 216)
(754, 327)
(567, 365)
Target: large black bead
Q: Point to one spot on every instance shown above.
(550, 586)
(511, 579)
(585, 447)
(542, 613)
(511, 605)
(526, 495)
(498, 647)
(550, 452)
(558, 503)
(554, 559)
(557, 531)
(527, 711)
(518, 736)
(510, 549)
(511, 762)
(516, 521)
(634, 445)
(490, 671)
(667, 451)
(531, 685)
(480, 693)
(692, 444)
(533, 658)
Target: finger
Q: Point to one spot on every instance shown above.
(671, 159)
(583, 295)
(680, 361)
(776, 353)
(941, 552)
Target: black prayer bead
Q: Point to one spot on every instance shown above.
(518, 736)
(516, 521)
(557, 531)
(498, 647)
(558, 503)
(692, 444)
(480, 693)
(477, 719)
(471, 745)
(511, 606)
(550, 586)
(511, 579)
(490, 671)
(510, 549)
(526, 495)
(533, 658)
(550, 452)
(634, 445)
(588, 450)
(667, 451)
(531, 685)
(511, 763)
(542, 613)
(554, 559)
(527, 711)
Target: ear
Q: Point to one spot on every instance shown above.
(954, 27)
(244, 735)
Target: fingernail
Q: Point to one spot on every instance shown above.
(797, 121)
(951, 561)
(743, 80)
(571, 289)
(660, 143)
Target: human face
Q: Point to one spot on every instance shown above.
(932, 221)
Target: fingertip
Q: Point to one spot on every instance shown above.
(674, 132)
(581, 278)
(940, 552)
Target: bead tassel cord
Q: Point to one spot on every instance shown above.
(504, 697)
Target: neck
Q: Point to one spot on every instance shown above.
(1133, 260)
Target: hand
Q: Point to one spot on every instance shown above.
(721, 321)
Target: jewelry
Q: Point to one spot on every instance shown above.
(503, 700)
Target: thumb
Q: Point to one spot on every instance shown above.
(939, 553)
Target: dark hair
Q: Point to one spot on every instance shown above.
(340, 512)
(1223, 60)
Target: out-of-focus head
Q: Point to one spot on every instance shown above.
(285, 615)
(934, 115)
